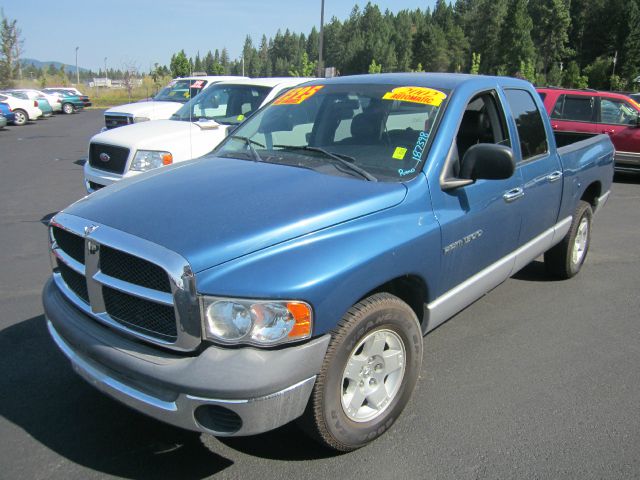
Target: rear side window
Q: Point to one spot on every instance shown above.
(575, 108)
(533, 137)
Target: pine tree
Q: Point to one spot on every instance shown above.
(516, 45)
(551, 34)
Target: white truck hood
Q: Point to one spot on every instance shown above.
(184, 140)
(152, 110)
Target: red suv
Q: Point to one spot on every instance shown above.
(578, 114)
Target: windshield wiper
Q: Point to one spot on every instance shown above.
(343, 160)
(250, 143)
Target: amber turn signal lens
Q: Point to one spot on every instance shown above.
(302, 314)
(167, 159)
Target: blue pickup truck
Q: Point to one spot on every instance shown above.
(293, 273)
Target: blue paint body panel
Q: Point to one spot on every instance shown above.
(261, 230)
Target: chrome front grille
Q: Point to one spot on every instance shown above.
(140, 315)
(132, 269)
(126, 282)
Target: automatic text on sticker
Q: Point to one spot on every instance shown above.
(297, 95)
(426, 96)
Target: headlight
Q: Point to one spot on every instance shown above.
(149, 159)
(257, 322)
(140, 119)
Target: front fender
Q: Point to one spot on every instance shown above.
(334, 268)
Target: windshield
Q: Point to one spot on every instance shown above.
(180, 90)
(379, 131)
(227, 104)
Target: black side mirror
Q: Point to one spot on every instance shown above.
(488, 161)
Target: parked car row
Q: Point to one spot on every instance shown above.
(22, 105)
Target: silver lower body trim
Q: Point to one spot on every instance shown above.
(459, 297)
(257, 415)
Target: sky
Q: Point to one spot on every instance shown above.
(142, 32)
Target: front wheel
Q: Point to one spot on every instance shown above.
(68, 108)
(565, 259)
(21, 117)
(369, 372)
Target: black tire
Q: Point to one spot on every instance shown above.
(21, 117)
(566, 259)
(380, 316)
(68, 108)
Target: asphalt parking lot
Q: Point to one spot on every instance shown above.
(538, 379)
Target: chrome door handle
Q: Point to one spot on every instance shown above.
(513, 195)
(555, 176)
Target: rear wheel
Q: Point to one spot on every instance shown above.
(68, 108)
(21, 117)
(565, 259)
(368, 375)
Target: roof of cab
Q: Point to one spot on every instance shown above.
(448, 81)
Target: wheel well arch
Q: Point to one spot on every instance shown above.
(411, 289)
(592, 194)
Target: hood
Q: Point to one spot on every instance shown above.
(152, 110)
(185, 140)
(213, 210)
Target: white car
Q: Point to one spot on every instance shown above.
(193, 131)
(53, 98)
(24, 110)
(164, 104)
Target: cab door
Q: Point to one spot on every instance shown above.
(618, 118)
(540, 169)
(480, 223)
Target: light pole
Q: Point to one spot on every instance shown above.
(77, 72)
(106, 76)
(321, 41)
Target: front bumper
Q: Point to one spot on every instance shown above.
(95, 179)
(222, 391)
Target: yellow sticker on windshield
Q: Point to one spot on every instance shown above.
(399, 153)
(297, 95)
(426, 96)
(240, 117)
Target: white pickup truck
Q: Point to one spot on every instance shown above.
(191, 132)
(164, 104)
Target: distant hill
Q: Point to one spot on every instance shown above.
(39, 64)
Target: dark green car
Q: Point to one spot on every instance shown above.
(71, 103)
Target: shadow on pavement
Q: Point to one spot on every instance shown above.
(535, 272)
(624, 177)
(41, 394)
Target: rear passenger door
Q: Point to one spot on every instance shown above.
(573, 118)
(541, 171)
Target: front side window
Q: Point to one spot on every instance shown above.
(533, 137)
(374, 132)
(180, 90)
(574, 108)
(227, 104)
(617, 112)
